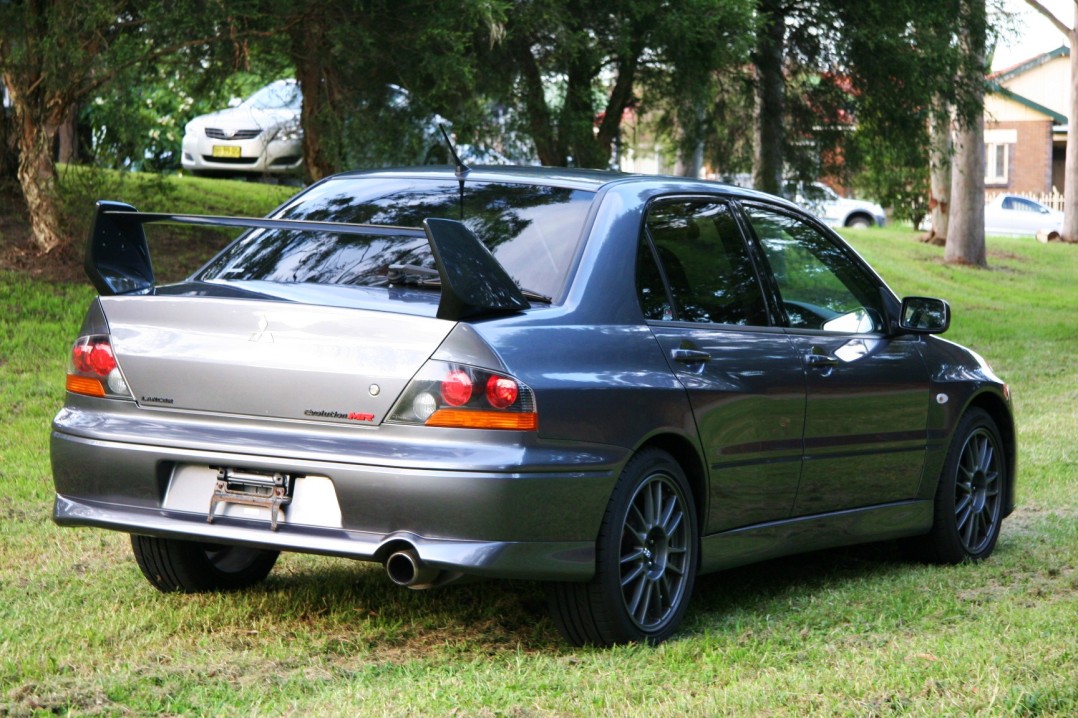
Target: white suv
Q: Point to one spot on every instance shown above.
(260, 135)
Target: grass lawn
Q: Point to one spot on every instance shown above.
(850, 632)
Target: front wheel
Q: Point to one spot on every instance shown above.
(190, 567)
(646, 559)
(969, 498)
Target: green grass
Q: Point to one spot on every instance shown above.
(852, 632)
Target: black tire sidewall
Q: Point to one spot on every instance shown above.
(947, 544)
(186, 566)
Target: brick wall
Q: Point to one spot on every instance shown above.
(1030, 159)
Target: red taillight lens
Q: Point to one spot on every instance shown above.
(93, 357)
(501, 391)
(457, 388)
(94, 370)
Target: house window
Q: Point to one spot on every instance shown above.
(995, 163)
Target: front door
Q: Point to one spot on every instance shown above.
(868, 393)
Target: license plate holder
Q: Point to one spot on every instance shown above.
(244, 487)
(228, 151)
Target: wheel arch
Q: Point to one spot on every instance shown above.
(997, 408)
(687, 455)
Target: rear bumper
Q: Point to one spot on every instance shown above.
(553, 561)
(535, 524)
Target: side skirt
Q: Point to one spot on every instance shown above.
(811, 533)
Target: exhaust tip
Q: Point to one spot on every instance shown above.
(405, 569)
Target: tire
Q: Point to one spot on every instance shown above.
(859, 222)
(647, 554)
(969, 500)
(190, 567)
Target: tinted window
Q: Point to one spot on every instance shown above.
(693, 266)
(820, 283)
(532, 231)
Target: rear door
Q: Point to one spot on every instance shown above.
(704, 304)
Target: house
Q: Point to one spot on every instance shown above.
(1025, 125)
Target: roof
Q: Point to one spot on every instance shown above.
(998, 79)
(568, 177)
(1009, 73)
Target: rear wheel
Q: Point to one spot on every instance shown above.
(646, 559)
(859, 221)
(969, 497)
(190, 567)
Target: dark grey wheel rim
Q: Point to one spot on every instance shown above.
(977, 492)
(656, 553)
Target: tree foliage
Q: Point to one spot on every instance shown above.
(55, 54)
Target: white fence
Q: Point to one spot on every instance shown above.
(1052, 200)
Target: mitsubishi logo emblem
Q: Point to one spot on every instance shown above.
(262, 335)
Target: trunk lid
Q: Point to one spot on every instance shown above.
(268, 359)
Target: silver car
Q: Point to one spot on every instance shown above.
(609, 383)
(260, 135)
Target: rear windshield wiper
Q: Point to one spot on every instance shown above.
(415, 275)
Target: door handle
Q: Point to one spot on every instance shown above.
(690, 356)
(817, 358)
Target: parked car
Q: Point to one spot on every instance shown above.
(261, 135)
(610, 383)
(1010, 214)
(837, 211)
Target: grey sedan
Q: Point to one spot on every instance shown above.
(608, 383)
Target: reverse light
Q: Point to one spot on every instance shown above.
(93, 369)
(465, 397)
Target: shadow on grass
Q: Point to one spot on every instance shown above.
(357, 603)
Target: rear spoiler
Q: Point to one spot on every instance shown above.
(473, 283)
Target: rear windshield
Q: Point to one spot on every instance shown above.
(533, 231)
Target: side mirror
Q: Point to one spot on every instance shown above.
(924, 315)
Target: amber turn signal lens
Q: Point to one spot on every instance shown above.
(463, 419)
(84, 385)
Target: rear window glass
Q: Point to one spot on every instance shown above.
(533, 231)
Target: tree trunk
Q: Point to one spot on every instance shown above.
(540, 122)
(577, 122)
(308, 49)
(965, 238)
(1070, 163)
(770, 110)
(35, 132)
(939, 158)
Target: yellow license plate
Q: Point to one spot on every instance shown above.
(226, 151)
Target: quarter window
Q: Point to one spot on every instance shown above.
(820, 284)
(693, 266)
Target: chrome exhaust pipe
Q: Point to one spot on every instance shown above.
(405, 569)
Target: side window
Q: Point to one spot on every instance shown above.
(819, 283)
(693, 266)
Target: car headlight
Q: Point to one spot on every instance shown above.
(290, 131)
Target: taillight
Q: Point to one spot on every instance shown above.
(459, 396)
(502, 391)
(93, 369)
(457, 388)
